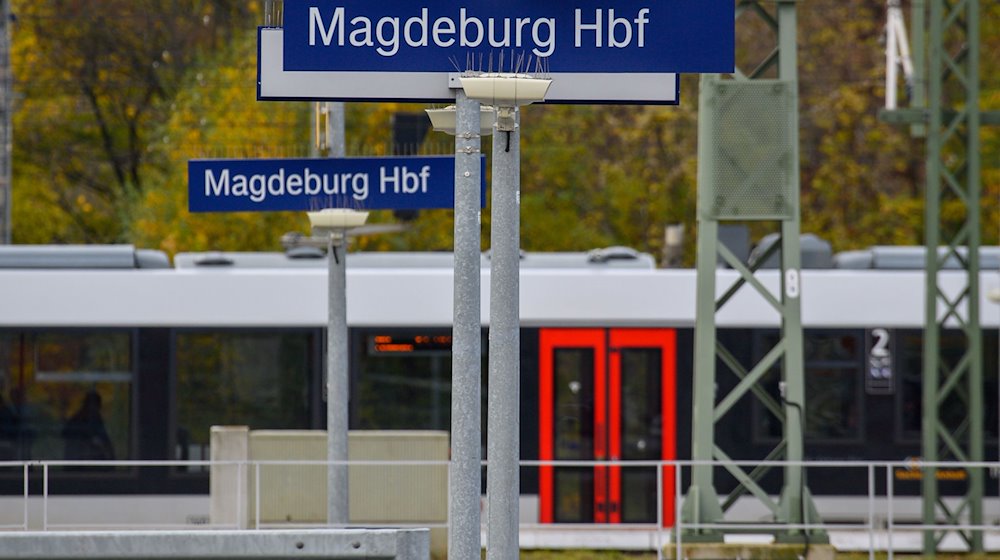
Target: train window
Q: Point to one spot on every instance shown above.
(405, 392)
(910, 406)
(86, 357)
(832, 397)
(833, 384)
(254, 378)
(403, 379)
(909, 370)
(991, 384)
(66, 395)
(641, 430)
(641, 397)
(573, 370)
(840, 348)
(574, 406)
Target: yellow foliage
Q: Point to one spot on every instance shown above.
(590, 175)
(219, 117)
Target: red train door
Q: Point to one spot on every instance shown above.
(606, 394)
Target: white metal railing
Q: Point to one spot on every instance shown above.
(877, 512)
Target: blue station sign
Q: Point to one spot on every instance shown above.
(374, 183)
(600, 36)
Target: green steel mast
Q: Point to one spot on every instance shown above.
(953, 65)
(946, 109)
(748, 170)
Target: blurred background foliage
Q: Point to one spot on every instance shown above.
(113, 99)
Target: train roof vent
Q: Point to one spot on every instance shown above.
(616, 252)
(80, 256)
(305, 253)
(611, 257)
(149, 258)
(736, 238)
(854, 260)
(302, 257)
(816, 252)
(315, 258)
(213, 258)
(885, 257)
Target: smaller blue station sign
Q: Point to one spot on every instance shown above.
(376, 183)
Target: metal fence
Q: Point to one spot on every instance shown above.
(883, 512)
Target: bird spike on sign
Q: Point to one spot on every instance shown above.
(506, 88)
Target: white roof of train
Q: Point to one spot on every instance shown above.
(416, 290)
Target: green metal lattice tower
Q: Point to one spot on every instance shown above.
(945, 108)
(748, 170)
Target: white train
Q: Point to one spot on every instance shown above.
(606, 361)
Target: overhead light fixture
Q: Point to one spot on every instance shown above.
(443, 119)
(505, 91)
(337, 219)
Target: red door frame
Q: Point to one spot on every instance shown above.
(607, 412)
(550, 339)
(666, 341)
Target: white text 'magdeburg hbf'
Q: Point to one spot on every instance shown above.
(468, 31)
(391, 179)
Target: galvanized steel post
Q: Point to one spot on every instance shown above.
(502, 480)
(466, 411)
(335, 129)
(337, 398)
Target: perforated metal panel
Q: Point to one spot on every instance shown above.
(751, 139)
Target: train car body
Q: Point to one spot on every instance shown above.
(606, 363)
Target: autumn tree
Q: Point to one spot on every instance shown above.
(215, 115)
(93, 80)
(863, 179)
(111, 110)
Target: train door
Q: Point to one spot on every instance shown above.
(606, 394)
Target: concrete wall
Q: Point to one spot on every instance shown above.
(296, 494)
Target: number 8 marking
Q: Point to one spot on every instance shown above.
(792, 283)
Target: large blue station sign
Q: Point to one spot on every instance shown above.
(600, 36)
(251, 185)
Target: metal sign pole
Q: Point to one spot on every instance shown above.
(466, 413)
(503, 427)
(335, 140)
(330, 134)
(333, 224)
(506, 92)
(337, 383)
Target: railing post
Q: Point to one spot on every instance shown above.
(45, 496)
(871, 511)
(240, 489)
(678, 521)
(256, 495)
(659, 511)
(26, 495)
(888, 512)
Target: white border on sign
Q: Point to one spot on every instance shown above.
(275, 84)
